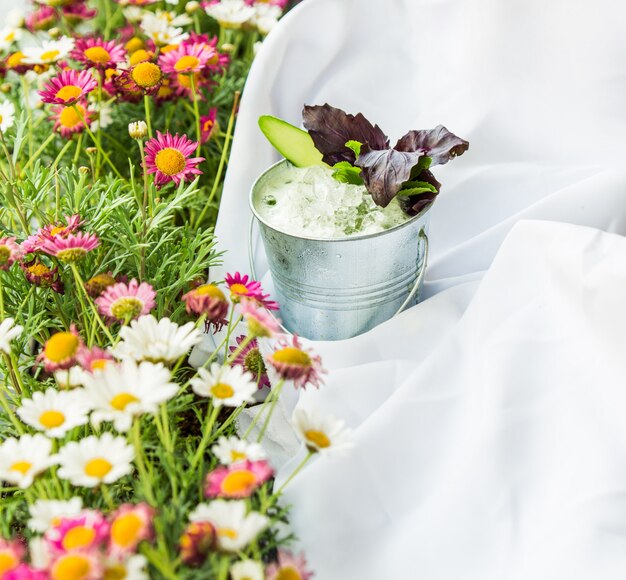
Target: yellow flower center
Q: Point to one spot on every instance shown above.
(8, 561)
(51, 419)
(237, 456)
(39, 269)
(10, 37)
(0, 118)
(126, 529)
(222, 391)
(208, 125)
(140, 55)
(168, 48)
(288, 573)
(239, 290)
(61, 346)
(115, 572)
(293, 356)
(5, 253)
(15, 59)
(71, 254)
(58, 229)
(78, 537)
(72, 566)
(170, 161)
(98, 467)
(99, 364)
(97, 54)
(238, 482)
(68, 93)
(147, 75)
(134, 44)
(121, 401)
(70, 119)
(318, 438)
(50, 55)
(185, 80)
(22, 467)
(186, 63)
(228, 533)
(126, 308)
(210, 290)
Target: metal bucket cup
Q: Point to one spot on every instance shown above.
(332, 289)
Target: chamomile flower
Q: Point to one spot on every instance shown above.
(169, 158)
(230, 13)
(321, 433)
(9, 35)
(119, 392)
(235, 527)
(127, 567)
(149, 339)
(49, 52)
(247, 570)
(138, 130)
(7, 115)
(22, 459)
(9, 331)
(69, 378)
(162, 32)
(231, 450)
(227, 386)
(95, 460)
(46, 513)
(54, 412)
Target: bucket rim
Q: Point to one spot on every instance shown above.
(284, 161)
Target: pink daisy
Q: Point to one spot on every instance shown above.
(9, 252)
(100, 282)
(72, 248)
(259, 321)
(89, 564)
(69, 120)
(93, 359)
(25, 572)
(130, 525)
(144, 77)
(187, 58)
(293, 362)
(220, 60)
(78, 12)
(196, 542)
(244, 287)
(33, 243)
(98, 53)
(11, 554)
(87, 531)
(209, 300)
(288, 566)
(68, 87)
(42, 18)
(168, 158)
(237, 481)
(39, 274)
(125, 302)
(208, 125)
(251, 360)
(61, 350)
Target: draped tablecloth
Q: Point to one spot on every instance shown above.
(489, 420)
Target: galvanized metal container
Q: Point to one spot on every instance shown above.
(332, 289)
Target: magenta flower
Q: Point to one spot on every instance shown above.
(187, 58)
(208, 125)
(130, 525)
(11, 554)
(242, 287)
(86, 531)
(10, 252)
(125, 302)
(168, 157)
(293, 362)
(61, 350)
(37, 273)
(25, 572)
(259, 321)
(93, 359)
(209, 300)
(288, 566)
(196, 542)
(251, 360)
(68, 87)
(78, 12)
(69, 120)
(98, 53)
(237, 481)
(33, 243)
(72, 248)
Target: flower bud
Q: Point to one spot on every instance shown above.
(5, 87)
(84, 170)
(227, 47)
(91, 150)
(192, 7)
(138, 129)
(54, 32)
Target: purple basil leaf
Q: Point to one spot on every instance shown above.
(385, 171)
(416, 203)
(331, 128)
(438, 143)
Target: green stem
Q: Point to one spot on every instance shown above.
(146, 106)
(7, 409)
(39, 151)
(79, 145)
(141, 466)
(266, 423)
(107, 497)
(297, 470)
(61, 155)
(267, 401)
(208, 427)
(196, 110)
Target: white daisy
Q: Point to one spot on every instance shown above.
(69, 378)
(121, 391)
(231, 13)
(160, 31)
(49, 52)
(15, 16)
(133, 13)
(54, 412)
(8, 329)
(130, 568)
(227, 386)
(22, 459)
(9, 35)
(45, 513)
(173, 19)
(156, 340)
(321, 433)
(265, 17)
(231, 450)
(92, 461)
(39, 552)
(247, 570)
(235, 528)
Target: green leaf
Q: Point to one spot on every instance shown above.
(417, 188)
(345, 172)
(355, 146)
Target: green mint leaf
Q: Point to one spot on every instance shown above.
(354, 146)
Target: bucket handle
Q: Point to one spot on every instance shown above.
(418, 281)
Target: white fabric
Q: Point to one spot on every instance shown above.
(490, 440)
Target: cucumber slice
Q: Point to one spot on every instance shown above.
(291, 142)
